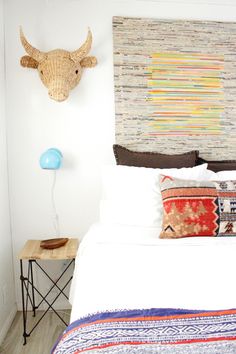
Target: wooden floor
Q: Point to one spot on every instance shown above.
(41, 339)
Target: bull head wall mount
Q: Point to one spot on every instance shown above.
(59, 70)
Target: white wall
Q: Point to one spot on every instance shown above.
(7, 291)
(83, 126)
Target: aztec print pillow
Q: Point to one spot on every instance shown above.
(198, 208)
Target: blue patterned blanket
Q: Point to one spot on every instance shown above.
(165, 331)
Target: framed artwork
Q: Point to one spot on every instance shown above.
(175, 86)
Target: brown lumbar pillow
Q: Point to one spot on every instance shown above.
(221, 165)
(127, 157)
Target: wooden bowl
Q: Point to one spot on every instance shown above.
(53, 243)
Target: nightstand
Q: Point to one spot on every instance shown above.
(32, 252)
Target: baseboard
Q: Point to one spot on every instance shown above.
(7, 324)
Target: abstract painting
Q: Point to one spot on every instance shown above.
(175, 86)
(185, 93)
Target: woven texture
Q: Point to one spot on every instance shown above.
(167, 331)
(59, 70)
(175, 87)
(198, 208)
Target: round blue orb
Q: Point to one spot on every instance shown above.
(51, 159)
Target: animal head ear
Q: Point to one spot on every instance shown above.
(28, 62)
(88, 62)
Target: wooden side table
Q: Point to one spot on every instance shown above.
(32, 252)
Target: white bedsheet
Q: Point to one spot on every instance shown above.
(121, 267)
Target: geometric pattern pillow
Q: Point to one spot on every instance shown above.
(198, 208)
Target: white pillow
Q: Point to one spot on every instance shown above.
(221, 175)
(210, 175)
(226, 175)
(131, 195)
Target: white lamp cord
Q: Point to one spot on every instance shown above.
(55, 217)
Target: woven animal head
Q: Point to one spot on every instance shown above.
(59, 70)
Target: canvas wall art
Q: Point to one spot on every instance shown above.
(175, 86)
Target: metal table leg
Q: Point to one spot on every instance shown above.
(28, 294)
(32, 287)
(22, 278)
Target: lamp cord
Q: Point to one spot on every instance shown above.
(55, 217)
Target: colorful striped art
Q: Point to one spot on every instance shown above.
(185, 94)
(175, 86)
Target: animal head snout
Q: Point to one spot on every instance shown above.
(58, 91)
(58, 95)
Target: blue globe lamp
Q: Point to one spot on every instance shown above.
(51, 159)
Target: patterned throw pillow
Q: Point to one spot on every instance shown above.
(198, 208)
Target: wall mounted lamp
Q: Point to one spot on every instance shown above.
(51, 159)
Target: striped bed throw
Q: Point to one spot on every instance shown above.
(165, 331)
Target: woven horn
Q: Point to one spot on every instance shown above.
(80, 53)
(33, 52)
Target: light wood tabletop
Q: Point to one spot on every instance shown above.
(32, 250)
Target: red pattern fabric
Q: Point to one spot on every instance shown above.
(191, 208)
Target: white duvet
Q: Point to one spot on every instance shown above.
(120, 267)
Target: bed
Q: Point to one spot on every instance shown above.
(133, 292)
